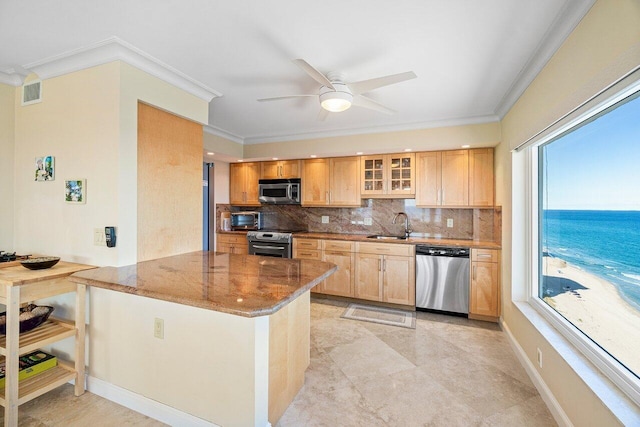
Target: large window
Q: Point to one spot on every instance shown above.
(589, 231)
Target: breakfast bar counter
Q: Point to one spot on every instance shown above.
(220, 337)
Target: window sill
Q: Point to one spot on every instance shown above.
(617, 402)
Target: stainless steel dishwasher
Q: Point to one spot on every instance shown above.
(442, 279)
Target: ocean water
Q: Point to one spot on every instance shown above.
(604, 243)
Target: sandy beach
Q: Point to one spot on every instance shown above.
(595, 307)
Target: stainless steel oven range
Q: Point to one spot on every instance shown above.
(270, 243)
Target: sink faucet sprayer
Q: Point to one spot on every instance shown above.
(407, 226)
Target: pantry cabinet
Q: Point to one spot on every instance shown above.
(484, 296)
(232, 244)
(331, 182)
(388, 175)
(385, 273)
(281, 169)
(243, 183)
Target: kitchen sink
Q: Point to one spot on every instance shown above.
(383, 237)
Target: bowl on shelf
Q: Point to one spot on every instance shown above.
(40, 263)
(31, 317)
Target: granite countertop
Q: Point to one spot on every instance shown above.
(16, 274)
(244, 285)
(415, 239)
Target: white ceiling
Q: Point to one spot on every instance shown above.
(472, 58)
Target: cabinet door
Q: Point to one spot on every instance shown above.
(303, 251)
(428, 179)
(481, 177)
(270, 170)
(344, 181)
(368, 280)
(455, 178)
(484, 298)
(290, 169)
(373, 175)
(341, 282)
(236, 183)
(252, 175)
(401, 174)
(315, 182)
(399, 280)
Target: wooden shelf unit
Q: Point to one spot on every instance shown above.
(19, 286)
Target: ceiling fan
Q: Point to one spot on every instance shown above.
(336, 95)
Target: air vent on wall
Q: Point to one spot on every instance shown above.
(32, 92)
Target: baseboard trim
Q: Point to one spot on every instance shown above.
(549, 399)
(144, 405)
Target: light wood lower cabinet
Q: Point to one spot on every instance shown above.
(385, 273)
(484, 298)
(233, 244)
(337, 252)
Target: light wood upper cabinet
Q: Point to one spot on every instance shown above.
(315, 182)
(481, 177)
(484, 298)
(281, 169)
(331, 182)
(243, 183)
(455, 178)
(388, 175)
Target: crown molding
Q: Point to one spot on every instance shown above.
(11, 78)
(214, 130)
(378, 129)
(115, 49)
(564, 23)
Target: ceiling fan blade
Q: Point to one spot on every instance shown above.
(363, 101)
(322, 115)
(365, 86)
(277, 98)
(315, 74)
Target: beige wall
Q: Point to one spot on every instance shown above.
(443, 138)
(7, 136)
(604, 46)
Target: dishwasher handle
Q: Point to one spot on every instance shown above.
(442, 251)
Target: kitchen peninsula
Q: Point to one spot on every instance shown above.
(223, 337)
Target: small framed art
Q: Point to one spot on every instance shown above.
(75, 191)
(45, 168)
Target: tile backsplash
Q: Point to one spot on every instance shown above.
(468, 224)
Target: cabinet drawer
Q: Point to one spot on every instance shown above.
(337, 245)
(486, 255)
(231, 238)
(385, 249)
(307, 253)
(306, 243)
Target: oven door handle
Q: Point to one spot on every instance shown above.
(268, 247)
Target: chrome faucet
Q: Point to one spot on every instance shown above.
(407, 226)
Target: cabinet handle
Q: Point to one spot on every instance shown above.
(384, 265)
(484, 255)
(474, 272)
(379, 265)
(305, 254)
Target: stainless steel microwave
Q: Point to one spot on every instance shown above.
(279, 191)
(246, 221)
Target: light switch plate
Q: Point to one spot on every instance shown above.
(325, 219)
(450, 222)
(98, 237)
(368, 221)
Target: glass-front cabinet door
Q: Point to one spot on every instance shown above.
(388, 175)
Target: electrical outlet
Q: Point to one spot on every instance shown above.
(158, 328)
(368, 221)
(98, 237)
(539, 358)
(325, 219)
(450, 222)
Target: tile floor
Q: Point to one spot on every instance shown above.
(448, 371)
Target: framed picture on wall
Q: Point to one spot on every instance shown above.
(45, 168)
(75, 191)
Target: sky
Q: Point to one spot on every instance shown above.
(597, 167)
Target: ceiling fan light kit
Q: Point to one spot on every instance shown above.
(337, 100)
